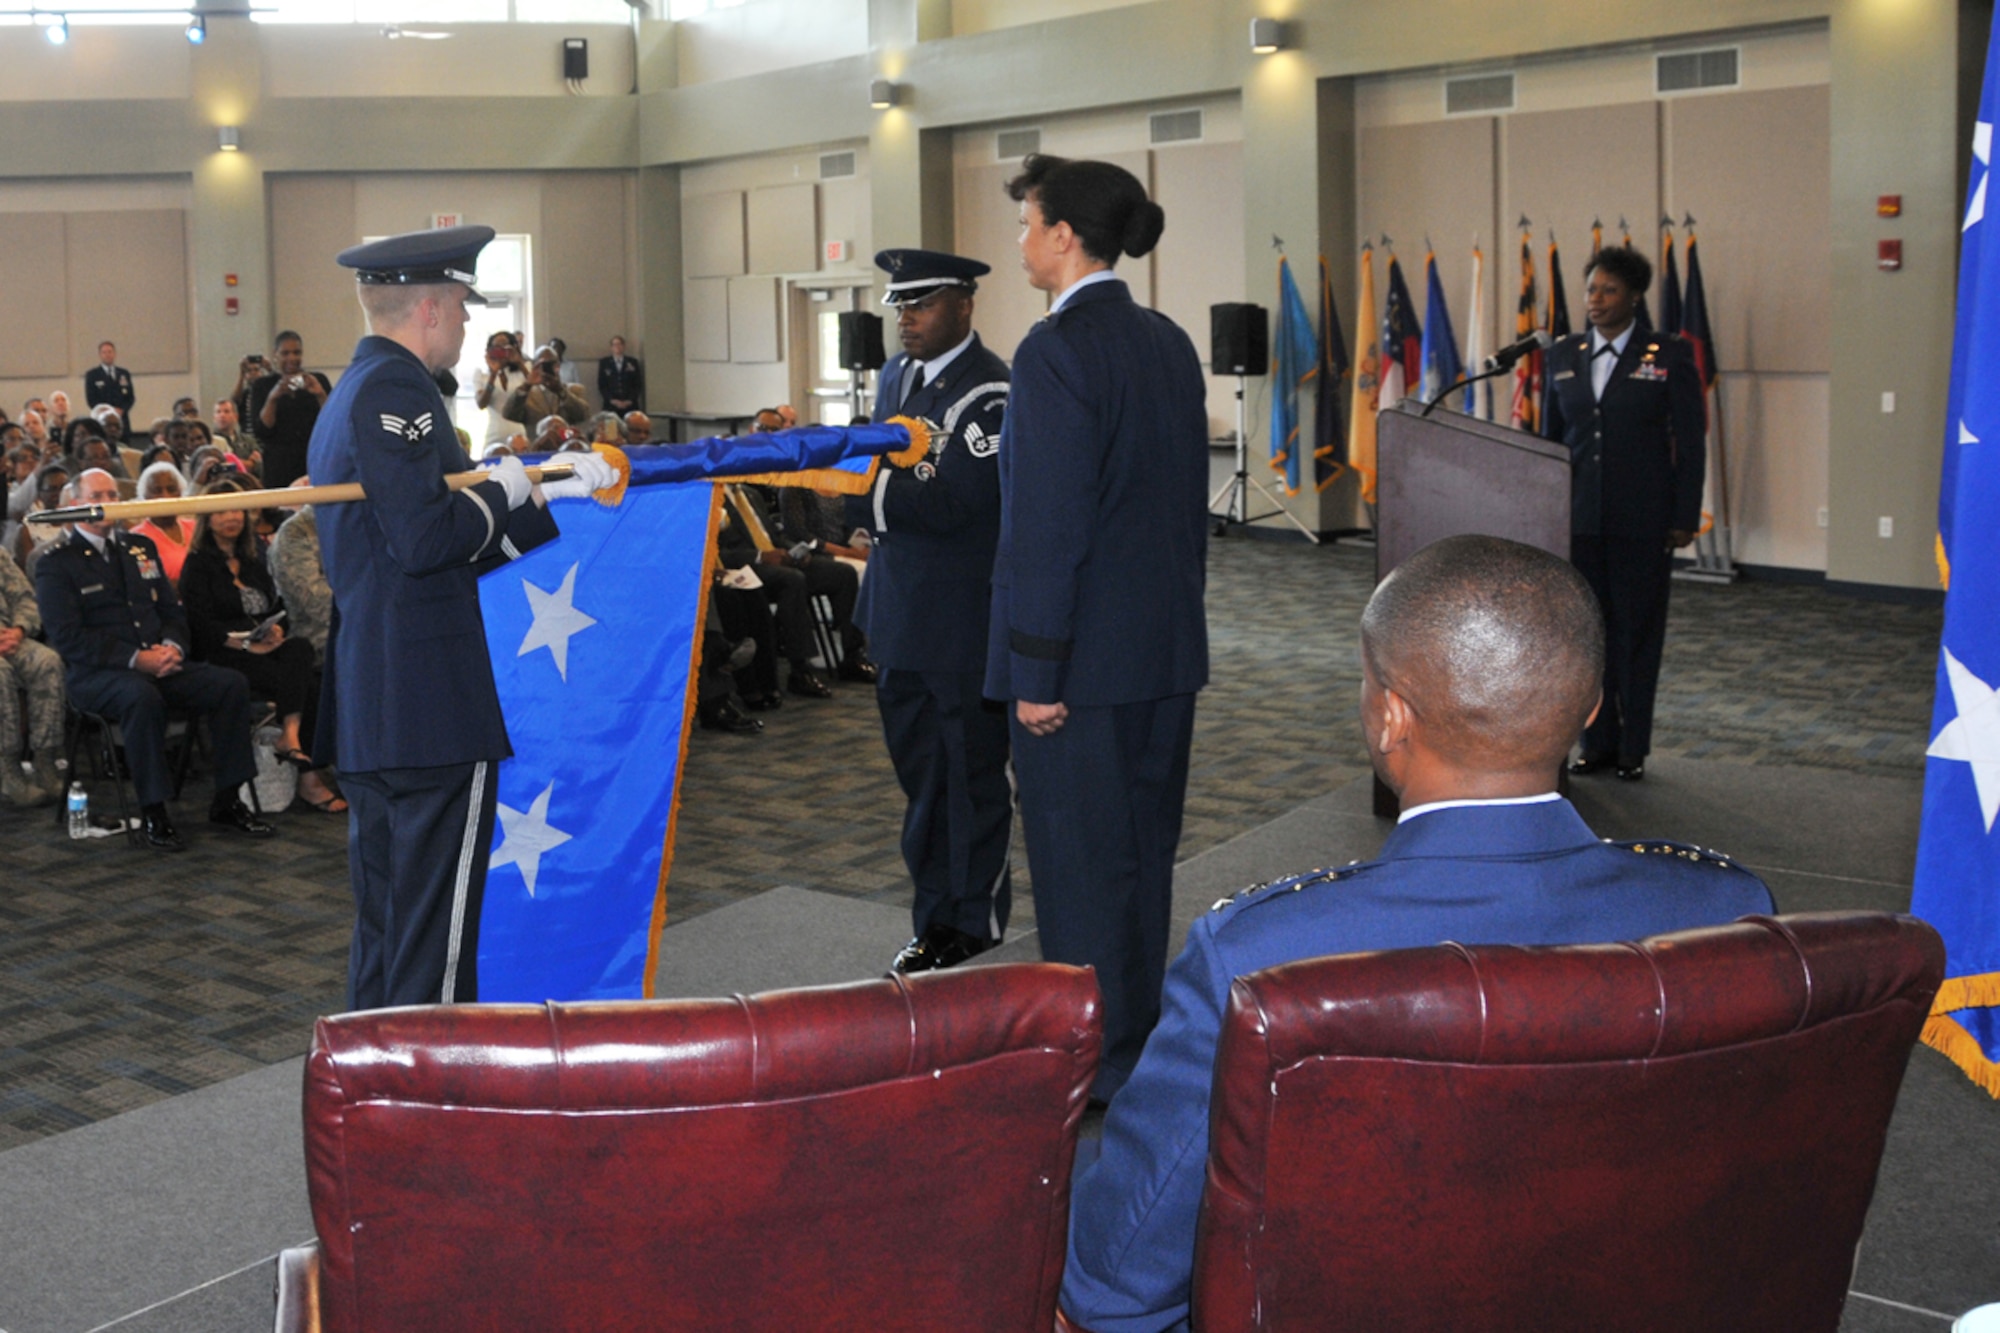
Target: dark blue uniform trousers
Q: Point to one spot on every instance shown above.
(1631, 577)
(138, 703)
(1101, 806)
(417, 844)
(950, 754)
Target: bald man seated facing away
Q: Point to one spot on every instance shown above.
(1481, 659)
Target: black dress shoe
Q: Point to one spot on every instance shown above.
(725, 717)
(1632, 771)
(1587, 763)
(230, 812)
(764, 703)
(858, 668)
(158, 830)
(938, 946)
(806, 685)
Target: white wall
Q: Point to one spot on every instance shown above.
(764, 35)
(970, 16)
(476, 60)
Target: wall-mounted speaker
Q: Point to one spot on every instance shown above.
(861, 340)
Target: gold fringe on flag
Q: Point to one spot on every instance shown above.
(1947, 1036)
(848, 483)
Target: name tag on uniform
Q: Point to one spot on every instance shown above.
(1565, 375)
(90, 588)
(1648, 371)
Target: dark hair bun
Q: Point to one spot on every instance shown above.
(1143, 228)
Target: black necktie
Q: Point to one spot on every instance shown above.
(916, 384)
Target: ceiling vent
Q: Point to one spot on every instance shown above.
(1013, 145)
(833, 166)
(1176, 126)
(1479, 94)
(1687, 71)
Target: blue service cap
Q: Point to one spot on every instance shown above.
(915, 274)
(417, 258)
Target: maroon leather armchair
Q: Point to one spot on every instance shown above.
(891, 1154)
(1677, 1134)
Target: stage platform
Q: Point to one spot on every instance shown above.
(168, 1217)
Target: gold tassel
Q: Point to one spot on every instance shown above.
(1974, 992)
(1945, 1036)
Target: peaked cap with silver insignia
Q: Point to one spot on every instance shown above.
(418, 258)
(915, 274)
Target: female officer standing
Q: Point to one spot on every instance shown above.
(1099, 637)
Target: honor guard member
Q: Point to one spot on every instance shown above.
(1480, 659)
(1628, 403)
(924, 608)
(409, 704)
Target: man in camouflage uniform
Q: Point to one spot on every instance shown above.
(32, 669)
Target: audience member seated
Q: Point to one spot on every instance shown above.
(30, 673)
(229, 595)
(22, 461)
(606, 428)
(1481, 661)
(792, 576)
(93, 451)
(35, 540)
(170, 535)
(545, 394)
(743, 611)
(819, 518)
(209, 466)
(186, 409)
(551, 434)
(36, 428)
(112, 424)
(58, 413)
(300, 574)
(718, 707)
(112, 613)
(227, 427)
(158, 453)
(638, 428)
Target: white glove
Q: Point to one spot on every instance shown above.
(511, 475)
(593, 473)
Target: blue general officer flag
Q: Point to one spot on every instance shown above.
(1442, 368)
(592, 639)
(1958, 851)
(1296, 360)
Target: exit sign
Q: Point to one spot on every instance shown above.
(447, 220)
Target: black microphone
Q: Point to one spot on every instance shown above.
(1508, 355)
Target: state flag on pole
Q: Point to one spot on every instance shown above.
(1642, 314)
(1555, 321)
(1328, 435)
(1958, 849)
(1525, 412)
(1478, 397)
(1442, 368)
(1295, 363)
(1670, 281)
(1402, 340)
(1367, 380)
(1694, 315)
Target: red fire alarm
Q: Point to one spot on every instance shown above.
(1889, 255)
(230, 306)
(1888, 205)
(229, 279)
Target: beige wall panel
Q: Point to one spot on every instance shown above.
(1431, 180)
(988, 229)
(705, 324)
(1200, 258)
(845, 215)
(34, 334)
(128, 282)
(783, 227)
(1777, 433)
(712, 234)
(1563, 168)
(583, 249)
(100, 62)
(1755, 170)
(312, 220)
(754, 326)
(970, 16)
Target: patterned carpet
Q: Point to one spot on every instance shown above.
(127, 977)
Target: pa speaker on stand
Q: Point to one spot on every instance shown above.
(1239, 341)
(860, 350)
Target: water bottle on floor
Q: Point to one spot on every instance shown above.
(79, 811)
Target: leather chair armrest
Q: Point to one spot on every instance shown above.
(298, 1289)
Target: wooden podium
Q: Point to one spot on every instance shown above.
(1449, 474)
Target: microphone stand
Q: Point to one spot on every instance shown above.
(1463, 382)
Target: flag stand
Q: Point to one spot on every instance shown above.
(1237, 488)
(1713, 557)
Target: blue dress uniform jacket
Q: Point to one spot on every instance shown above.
(1638, 455)
(408, 678)
(1097, 583)
(1516, 874)
(100, 610)
(925, 603)
(112, 385)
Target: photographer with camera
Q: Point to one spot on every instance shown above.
(284, 404)
(501, 374)
(545, 394)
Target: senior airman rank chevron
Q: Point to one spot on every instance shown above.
(409, 430)
(1958, 850)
